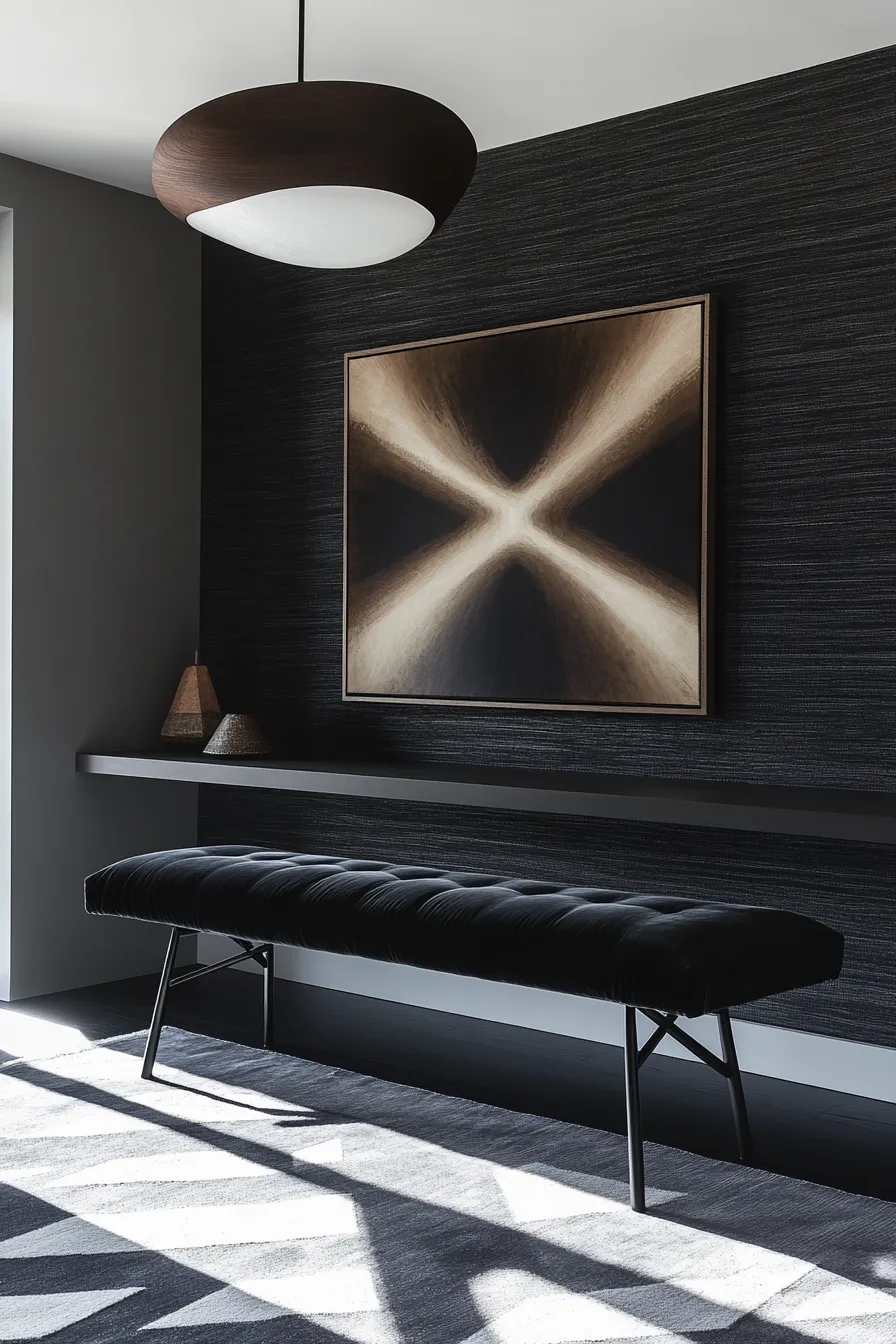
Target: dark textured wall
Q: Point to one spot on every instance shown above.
(780, 198)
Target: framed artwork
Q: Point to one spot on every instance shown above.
(527, 515)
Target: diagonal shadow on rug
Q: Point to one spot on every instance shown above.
(249, 1196)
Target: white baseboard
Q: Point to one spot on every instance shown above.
(775, 1052)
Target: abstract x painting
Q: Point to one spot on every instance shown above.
(527, 515)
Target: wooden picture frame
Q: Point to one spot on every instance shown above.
(528, 515)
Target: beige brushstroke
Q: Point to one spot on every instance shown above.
(654, 384)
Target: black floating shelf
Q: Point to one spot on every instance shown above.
(837, 814)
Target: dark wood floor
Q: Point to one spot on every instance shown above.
(822, 1136)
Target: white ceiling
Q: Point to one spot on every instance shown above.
(89, 85)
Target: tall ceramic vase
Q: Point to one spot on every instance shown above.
(195, 713)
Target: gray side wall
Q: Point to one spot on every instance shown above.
(5, 586)
(105, 551)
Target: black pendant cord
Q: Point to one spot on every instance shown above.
(301, 73)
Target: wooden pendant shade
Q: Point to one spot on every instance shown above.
(320, 133)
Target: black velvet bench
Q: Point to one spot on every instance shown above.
(663, 956)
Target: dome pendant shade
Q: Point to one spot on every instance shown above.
(316, 174)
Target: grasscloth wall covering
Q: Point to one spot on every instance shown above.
(780, 199)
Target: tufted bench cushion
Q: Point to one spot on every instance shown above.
(661, 952)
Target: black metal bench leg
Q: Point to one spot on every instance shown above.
(269, 997)
(158, 1012)
(735, 1087)
(633, 1113)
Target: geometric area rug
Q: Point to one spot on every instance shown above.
(252, 1198)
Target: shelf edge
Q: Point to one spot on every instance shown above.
(660, 809)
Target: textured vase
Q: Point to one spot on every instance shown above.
(239, 735)
(195, 713)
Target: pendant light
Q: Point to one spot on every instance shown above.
(325, 173)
